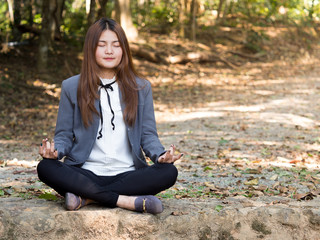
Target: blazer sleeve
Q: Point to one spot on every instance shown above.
(150, 142)
(64, 127)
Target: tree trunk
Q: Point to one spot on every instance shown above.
(221, 2)
(193, 19)
(126, 19)
(102, 8)
(58, 17)
(91, 12)
(15, 18)
(146, 54)
(46, 34)
(116, 13)
(10, 6)
(227, 5)
(182, 18)
(30, 12)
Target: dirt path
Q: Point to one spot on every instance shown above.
(257, 132)
(252, 131)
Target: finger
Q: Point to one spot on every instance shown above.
(52, 146)
(40, 149)
(48, 145)
(177, 157)
(55, 154)
(43, 143)
(172, 149)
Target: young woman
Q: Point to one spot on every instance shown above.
(104, 129)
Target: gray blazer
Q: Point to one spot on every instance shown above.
(75, 142)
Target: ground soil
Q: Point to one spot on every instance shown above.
(252, 130)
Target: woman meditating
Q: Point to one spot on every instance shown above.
(105, 128)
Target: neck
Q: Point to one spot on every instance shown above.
(107, 74)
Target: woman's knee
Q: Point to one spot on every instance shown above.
(45, 167)
(170, 172)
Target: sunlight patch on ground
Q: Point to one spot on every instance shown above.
(242, 108)
(267, 82)
(50, 89)
(163, 117)
(288, 118)
(264, 92)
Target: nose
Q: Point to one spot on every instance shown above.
(109, 49)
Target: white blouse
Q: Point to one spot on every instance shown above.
(111, 154)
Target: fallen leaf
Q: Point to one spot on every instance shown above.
(218, 208)
(309, 185)
(283, 189)
(304, 196)
(274, 177)
(275, 185)
(210, 185)
(254, 181)
(253, 170)
(178, 213)
(257, 193)
(316, 192)
(237, 174)
(261, 188)
(48, 196)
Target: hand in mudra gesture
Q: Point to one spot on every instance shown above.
(169, 156)
(47, 150)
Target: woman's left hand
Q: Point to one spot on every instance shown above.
(47, 149)
(169, 156)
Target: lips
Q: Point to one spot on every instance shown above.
(108, 59)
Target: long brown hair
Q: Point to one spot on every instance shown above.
(89, 79)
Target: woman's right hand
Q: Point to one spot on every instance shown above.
(47, 150)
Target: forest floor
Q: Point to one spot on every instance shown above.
(250, 130)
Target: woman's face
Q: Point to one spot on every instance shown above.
(108, 53)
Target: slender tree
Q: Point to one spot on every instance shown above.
(47, 33)
(102, 8)
(182, 17)
(123, 13)
(91, 11)
(58, 17)
(15, 18)
(193, 19)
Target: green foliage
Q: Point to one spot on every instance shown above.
(163, 16)
(48, 196)
(218, 208)
(223, 141)
(4, 20)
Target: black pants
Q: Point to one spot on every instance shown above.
(106, 189)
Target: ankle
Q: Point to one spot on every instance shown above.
(126, 202)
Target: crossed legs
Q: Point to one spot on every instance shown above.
(112, 191)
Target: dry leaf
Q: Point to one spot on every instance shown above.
(254, 171)
(254, 181)
(275, 185)
(304, 196)
(210, 185)
(283, 189)
(261, 188)
(178, 213)
(237, 174)
(309, 185)
(274, 177)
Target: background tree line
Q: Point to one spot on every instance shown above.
(67, 20)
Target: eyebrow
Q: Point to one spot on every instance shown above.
(104, 41)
